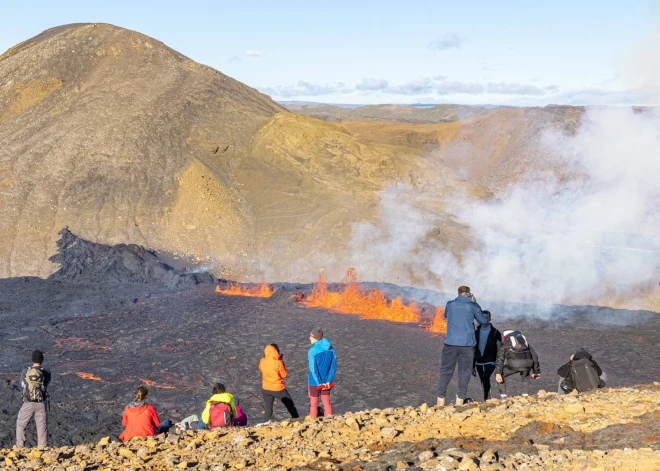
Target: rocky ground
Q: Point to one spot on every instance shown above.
(605, 430)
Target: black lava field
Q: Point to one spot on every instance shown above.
(103, 340)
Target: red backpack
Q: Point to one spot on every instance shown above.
(220, 415)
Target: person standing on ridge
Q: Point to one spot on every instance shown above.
(322, 367)
(34, 380)
(459, 344)
(273, 373)
(489, 341)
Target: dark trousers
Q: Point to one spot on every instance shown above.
(524, 375)
(485, 372)
(284, 397)
(452, 355)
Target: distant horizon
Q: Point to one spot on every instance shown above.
(431, 105)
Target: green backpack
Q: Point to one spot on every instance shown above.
(35, 390)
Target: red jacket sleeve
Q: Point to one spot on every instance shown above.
(124, 418)
(282, 371)
(154, 417)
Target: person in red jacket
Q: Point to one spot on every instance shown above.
(140, 419)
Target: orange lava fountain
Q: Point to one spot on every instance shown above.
(439, 324)
(88, 376)
(350, 300)
(261, 291)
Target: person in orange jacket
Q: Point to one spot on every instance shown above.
(273, 373)
(140, 419)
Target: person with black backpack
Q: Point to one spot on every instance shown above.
(34, 380)
(516, 356)
(489, 341)
(581, 373)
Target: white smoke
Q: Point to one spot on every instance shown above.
(546, 240)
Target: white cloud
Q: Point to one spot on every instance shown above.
(449, 41)
(253, 53)
(372, 84)
(235, 60)
(303, 88)
(419, 86)
(502, 88)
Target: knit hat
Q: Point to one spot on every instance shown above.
(37, 357)
(317, 333)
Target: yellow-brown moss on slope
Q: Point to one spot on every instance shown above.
(206, 221)
(26, 95)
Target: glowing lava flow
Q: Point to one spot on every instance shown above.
(350, 300)
(260, 291)
(439, 324)
(88, 376)
(149, 382)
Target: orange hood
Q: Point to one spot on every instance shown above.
(272, 370)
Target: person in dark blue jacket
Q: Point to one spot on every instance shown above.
(459, 343)
(322, 368)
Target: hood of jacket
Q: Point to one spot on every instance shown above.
(323, 344)
(221, 397)
(582, 353)
(271, 352)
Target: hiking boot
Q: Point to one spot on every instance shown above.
(459, 401)
(440, 402)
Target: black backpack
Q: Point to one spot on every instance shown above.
(517, 341)
(584, 375)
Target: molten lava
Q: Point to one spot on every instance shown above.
(439, 324)
(90, 376)
(234, 289)
(154, 384)
(350, 300)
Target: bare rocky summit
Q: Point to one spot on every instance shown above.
(613, 429)
(124, 140)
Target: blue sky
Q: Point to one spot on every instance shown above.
(474, 52)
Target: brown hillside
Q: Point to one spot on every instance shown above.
(494, 149)
(122, 139)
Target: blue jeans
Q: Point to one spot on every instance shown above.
(451, 356)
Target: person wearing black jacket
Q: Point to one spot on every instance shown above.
(511, 361)
(566, 381)
(489, 341)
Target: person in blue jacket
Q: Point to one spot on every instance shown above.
(322, 368)
(459, 343)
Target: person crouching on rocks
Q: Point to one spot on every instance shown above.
(459, 344)
(140, 419)
(220, 410)
(516, 356)
(34, 380)
(273, 373)
(581, 373)
(322, 368)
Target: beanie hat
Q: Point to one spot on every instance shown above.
(37, 357)
(317, 333)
